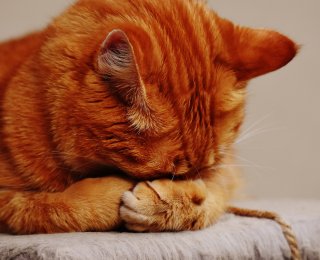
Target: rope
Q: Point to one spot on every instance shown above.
(286, 229)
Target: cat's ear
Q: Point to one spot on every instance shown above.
(117, 65)
(254, 52)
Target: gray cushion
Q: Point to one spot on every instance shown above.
(232, 237)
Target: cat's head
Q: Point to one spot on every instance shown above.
(164, 92)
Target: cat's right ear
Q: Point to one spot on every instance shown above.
(118, 66)
(254, 52)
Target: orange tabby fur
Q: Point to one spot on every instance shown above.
(153, 88)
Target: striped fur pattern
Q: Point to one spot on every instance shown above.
(126, 91)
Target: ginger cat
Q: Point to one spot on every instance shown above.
(122, 112)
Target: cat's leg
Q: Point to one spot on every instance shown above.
(88, 205)
(166, 205)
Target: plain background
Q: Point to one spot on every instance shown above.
(280, 153)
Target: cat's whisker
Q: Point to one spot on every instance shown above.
(198, 173)
(253, 131)
(257, 122)
(251, 163)
(241, 158)
(255, 148)
(237, 165)
(174, 172)
(254, 125)
(256, 132)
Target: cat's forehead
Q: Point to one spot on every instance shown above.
(177, 39)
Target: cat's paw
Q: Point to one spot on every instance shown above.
(165, 205)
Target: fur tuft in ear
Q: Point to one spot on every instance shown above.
(254, 52)
(117, 64)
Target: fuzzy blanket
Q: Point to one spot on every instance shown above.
(232, 237)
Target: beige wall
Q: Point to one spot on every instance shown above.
(281, 156)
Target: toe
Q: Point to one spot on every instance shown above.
(129, 200)
(130, 216)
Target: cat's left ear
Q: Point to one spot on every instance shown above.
(117, 64)
(254, 52)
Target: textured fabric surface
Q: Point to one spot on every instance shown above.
(232, 237)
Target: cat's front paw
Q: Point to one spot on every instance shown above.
(165, 205)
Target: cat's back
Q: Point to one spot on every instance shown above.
(14, 52)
